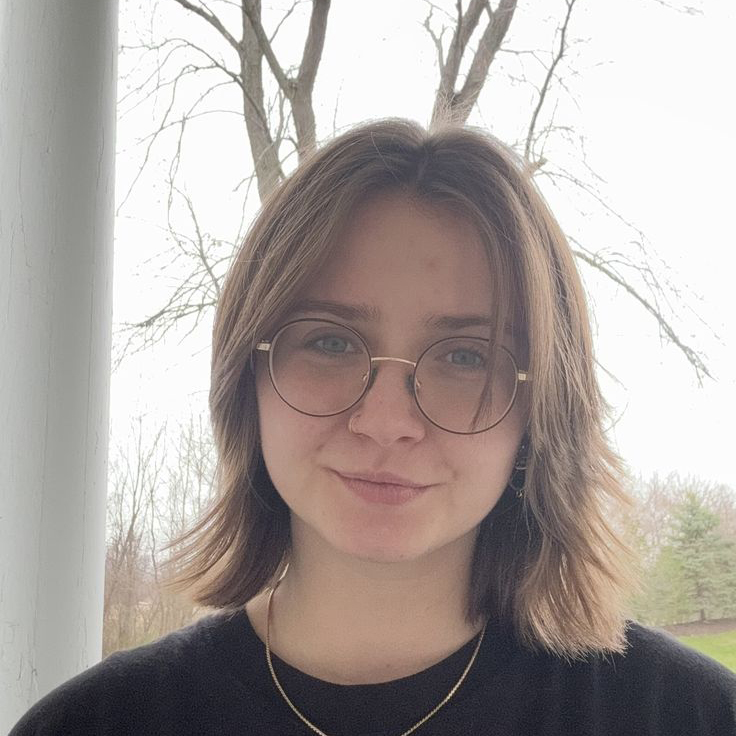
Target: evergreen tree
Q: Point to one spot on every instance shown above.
(701, 561)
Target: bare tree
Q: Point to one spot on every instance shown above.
(155, 492)
(283, 124)
(133, 474)
(460, 102)
(251, 45)
(189, 489)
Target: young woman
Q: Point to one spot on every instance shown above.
(412, 528)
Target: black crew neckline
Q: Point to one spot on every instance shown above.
(385, 707)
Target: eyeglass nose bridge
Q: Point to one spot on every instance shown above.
(397, 360)
(371, 374)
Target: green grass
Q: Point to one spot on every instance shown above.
(721, 647)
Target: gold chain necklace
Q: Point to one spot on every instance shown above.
(309, 723)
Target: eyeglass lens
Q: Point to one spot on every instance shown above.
(462, 384)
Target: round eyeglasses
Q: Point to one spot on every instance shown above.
(463, 385)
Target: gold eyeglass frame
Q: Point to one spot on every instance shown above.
(267, 347)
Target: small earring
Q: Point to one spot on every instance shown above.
(518, 476)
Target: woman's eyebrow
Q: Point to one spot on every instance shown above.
(352, 312)
(366, 313)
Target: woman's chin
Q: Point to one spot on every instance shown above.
(386, 543)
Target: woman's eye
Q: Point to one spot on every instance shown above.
(332, 344)
(466, 358)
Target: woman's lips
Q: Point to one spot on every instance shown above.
(386, 493)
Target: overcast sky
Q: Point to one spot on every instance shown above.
(647, 91)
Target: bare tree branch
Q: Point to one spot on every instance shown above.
(464, 26)
(263, 147)
(489, 44)
(151, 143)
(254, 17)
(250, 50)
(457, 104)
(436, 39)
(547, 80)
(213, 20)
(165, 124)
(298, 91)
(203, 256)
(314, 45)
(687, 9)
(217, 64)
(597, 262)
(194, 296)
(157, 71)
(301, 102)
(283, 20)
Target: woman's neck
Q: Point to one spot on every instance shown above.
(353, 621)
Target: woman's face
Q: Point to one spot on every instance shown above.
(406, 263)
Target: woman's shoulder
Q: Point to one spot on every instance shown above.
(656, 685)
(127, 686)
(650, 656)
(659, 653)
(657, 674)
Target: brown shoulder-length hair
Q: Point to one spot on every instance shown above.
(550, 563)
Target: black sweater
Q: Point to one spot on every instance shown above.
(211, 678)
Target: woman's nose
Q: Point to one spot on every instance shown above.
(388, 411)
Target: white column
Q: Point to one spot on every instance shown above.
(57, 143)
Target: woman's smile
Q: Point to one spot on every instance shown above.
(392, 494)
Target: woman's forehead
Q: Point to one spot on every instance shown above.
(394, 250)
